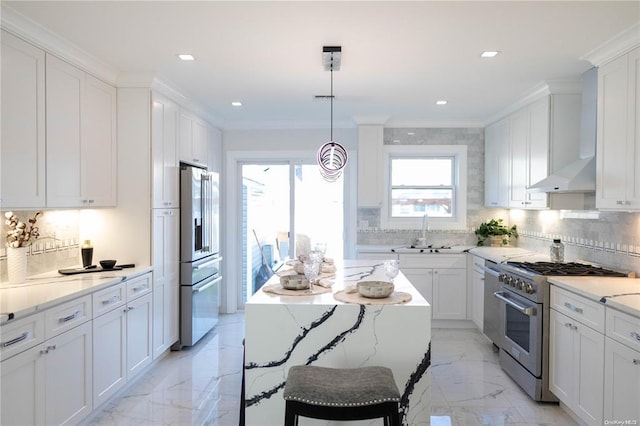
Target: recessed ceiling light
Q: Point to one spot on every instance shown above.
(489, 54)
(186, 57)
(441, 102)
(410, 133)
(236, 103)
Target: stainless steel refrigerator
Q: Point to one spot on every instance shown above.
(200, 258)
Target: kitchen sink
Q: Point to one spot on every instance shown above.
(431, 248)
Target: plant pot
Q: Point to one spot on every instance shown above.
(497, 241)
(17, 264)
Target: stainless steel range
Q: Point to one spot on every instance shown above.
(524, 312)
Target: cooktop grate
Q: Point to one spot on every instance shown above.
(569, 269)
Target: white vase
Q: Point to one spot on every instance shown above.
(17, 264)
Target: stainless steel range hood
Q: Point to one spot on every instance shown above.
(579, 175)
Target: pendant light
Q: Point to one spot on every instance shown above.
(332, 157)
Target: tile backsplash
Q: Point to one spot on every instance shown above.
(611, 239)
(58, 244)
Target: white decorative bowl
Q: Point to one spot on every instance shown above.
(294, 282)
(375, 289)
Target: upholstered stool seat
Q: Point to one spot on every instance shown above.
(341, 394)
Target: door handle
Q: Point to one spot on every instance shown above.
(527, 310)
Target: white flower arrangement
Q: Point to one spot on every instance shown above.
(20, 234)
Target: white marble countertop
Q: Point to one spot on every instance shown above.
(506, 254)
(43, 291)
(349, 272)
(398, 249)
(622, 294)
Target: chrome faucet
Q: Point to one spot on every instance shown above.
(425, 227)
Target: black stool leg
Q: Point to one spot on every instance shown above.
(290, 417)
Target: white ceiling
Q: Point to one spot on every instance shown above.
(398, 57)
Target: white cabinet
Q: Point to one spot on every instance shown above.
(370, 179)
(81, 138)
(51, 383)
(524, 147)
(109, 345)
(23, 125)
(442, 281)
(576, 354)
(477, 290)
(529, 148)
(193, 139)
(622, 366)
(166, 286)
(618, 134)
(164, 147)
(496, 154)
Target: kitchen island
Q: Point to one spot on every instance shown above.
(282, 331)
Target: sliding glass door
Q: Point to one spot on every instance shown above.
(287, 208)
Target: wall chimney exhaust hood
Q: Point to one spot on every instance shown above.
(579, 175)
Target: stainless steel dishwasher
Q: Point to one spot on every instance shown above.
(493, 317)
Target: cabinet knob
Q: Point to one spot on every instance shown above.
(636, 361)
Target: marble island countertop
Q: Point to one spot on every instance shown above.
(45, 290)
(349, 273)
(622, 294)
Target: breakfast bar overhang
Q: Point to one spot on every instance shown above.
(317, 329)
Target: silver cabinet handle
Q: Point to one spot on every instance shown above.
(573, 308)
(127, 309)
(141, 288)
(636, 361)
(20, 338)
(47, 349)
(635, 335)
(527, 310)
(571, 326)
(70, 317)
(114, 299)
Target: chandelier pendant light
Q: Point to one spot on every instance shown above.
(332, 157)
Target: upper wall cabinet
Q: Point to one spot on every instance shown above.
(81, 138)
(193, 139)
(522, 148)
(496, 152)
(618, 134)
(22, 158)
(370, 176)
(164, 146)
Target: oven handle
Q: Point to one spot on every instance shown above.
(205, 286)
(527, 310)
(491, 271)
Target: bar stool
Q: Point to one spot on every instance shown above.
(341, 394)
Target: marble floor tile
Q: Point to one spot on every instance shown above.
(201, 386)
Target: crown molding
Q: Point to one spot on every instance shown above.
(544, 88)
(33, 33)
(614, 47)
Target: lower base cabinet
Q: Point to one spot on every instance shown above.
(442, 281)
(50, 383)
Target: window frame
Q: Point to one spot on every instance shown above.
(458, 221)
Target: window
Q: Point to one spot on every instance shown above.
(425, 179)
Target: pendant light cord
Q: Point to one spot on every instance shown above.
(331, 97)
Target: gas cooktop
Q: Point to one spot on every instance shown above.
(567, 269)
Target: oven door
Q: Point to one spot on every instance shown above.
(522, 332)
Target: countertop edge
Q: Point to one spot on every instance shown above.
(12, 315)
(604, 296)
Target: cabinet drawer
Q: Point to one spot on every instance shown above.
(578, 308)
(138, 286)
(433, 261)
(20, 335)
(67, 316)
(109, 299)
(623, 328)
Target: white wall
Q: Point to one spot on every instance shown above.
(286, 139)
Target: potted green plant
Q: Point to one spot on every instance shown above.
(495, 233)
